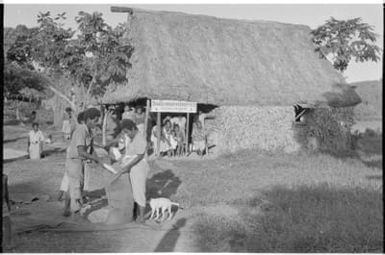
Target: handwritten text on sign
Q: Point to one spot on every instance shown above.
(173, 106)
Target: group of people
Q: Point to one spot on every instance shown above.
(80, 151)
(173, 138)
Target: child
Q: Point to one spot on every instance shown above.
(49, 139)
(173, 143)
(35, 142)
(7, 229)
(67, 123)
(179, 137)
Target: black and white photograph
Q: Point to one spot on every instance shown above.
(220, 127)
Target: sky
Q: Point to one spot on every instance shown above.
(312, 15)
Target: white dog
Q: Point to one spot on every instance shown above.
(161, 204)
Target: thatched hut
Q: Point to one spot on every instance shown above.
(254, 71)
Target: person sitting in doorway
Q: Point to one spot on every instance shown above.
(164, 145)
(167, 129)
(35, 142)
(180, 138)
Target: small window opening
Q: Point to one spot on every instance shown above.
(300, 112)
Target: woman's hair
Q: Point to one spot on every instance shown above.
(167, 121)
(35, 124)
(128, 124)
(80, 117)
(91, 113)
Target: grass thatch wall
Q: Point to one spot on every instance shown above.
(326, 130)
(272, 129)
(251, 127)
(222, 62)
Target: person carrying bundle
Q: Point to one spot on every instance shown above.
(77, 154)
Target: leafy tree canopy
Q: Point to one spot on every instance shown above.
(92, 56)
(20, 81)
(345, 40)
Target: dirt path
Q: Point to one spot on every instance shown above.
(40, 180)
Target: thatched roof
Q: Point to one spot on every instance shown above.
(221, 61)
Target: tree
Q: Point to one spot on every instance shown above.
(98, 56)
(23, 85)
(344, 40)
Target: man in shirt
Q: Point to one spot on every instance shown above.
(77, 154)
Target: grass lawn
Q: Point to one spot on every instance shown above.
(245, 202)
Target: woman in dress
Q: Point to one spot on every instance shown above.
(135, 164)
(35, 142)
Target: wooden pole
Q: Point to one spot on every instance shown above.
(158, 134)
(187, 131)
(146, 119)
(104, 127)
(146, 125)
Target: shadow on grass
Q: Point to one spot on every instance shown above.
(13, 140)
(305, 219)
(11, 122)
(53, 151)
(168, 242)
(15, 159)
(162, 184)
(374, 177)
(376, 163)
(24, 192)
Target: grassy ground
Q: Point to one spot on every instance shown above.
(246, 202)
(305, 219)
